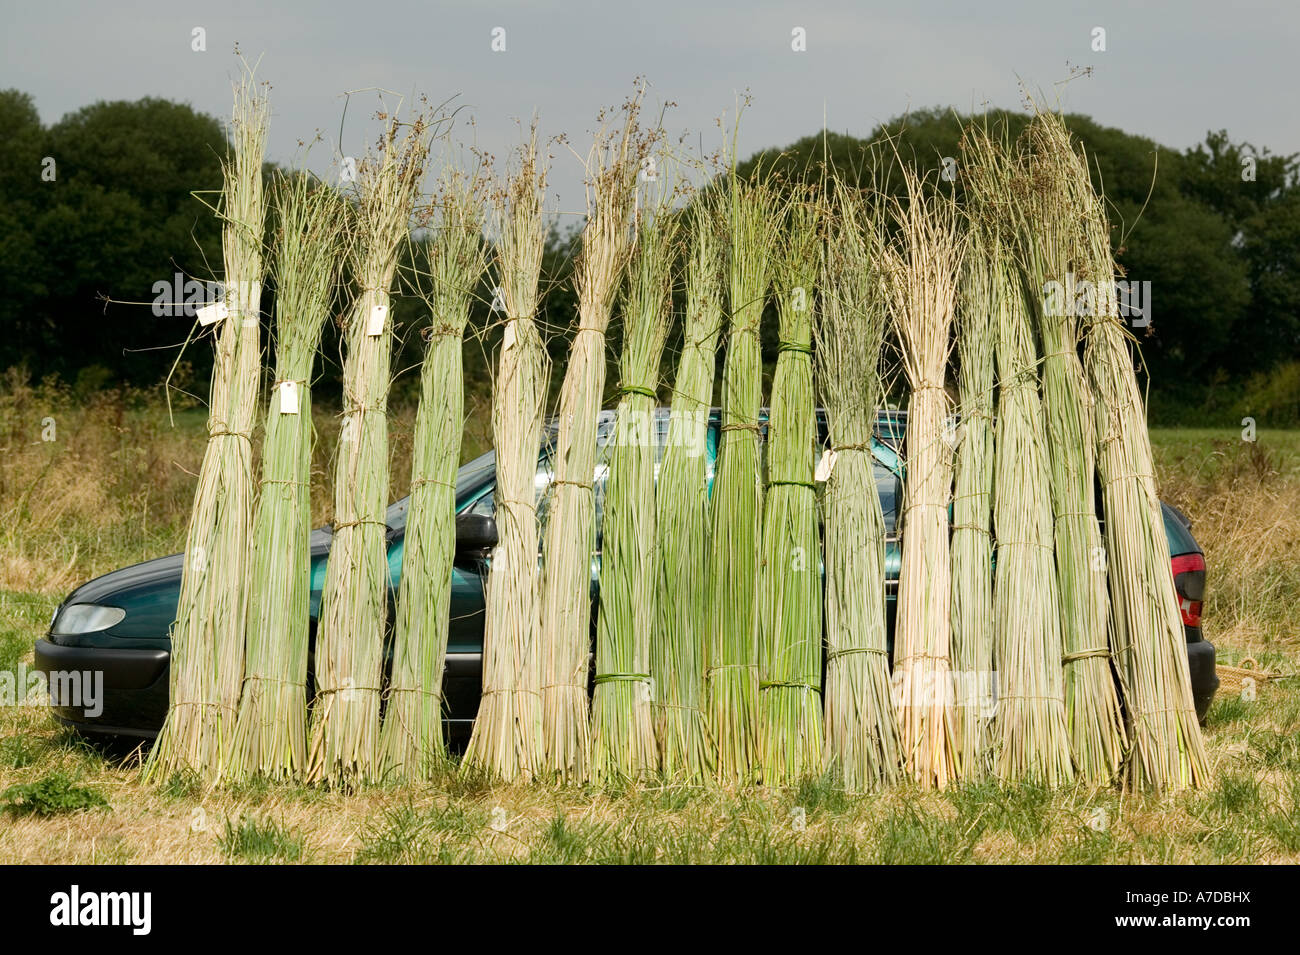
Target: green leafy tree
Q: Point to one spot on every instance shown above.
(22, 198)
(1221, 252)
(118, 218)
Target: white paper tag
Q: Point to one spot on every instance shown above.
(951, 434)
(288, 397)
(215, 312)
(375, 324)
(824, 466)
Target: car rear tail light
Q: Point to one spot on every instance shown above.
(1189, 581)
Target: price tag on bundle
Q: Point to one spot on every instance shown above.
(375, 323)
(288, 397)
(824, 466)
(951, 434)
(210, 314)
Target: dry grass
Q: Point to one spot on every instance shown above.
(1244, 501)
(1249, 817)
(115, 485)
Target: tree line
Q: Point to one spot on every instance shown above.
(99, 208)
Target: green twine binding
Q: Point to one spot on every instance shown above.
(631, 677)
(768, 684)
(797, 347)
(833, 654)
(807, 484)
(637, 390)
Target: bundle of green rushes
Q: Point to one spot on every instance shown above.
(682, 517)
(622, 733)
(411, 741)
(1031, 739)
(861, 728)
(922, 270)
(737, 501)
(570, 531)
(1049, 242)
(207, 639)
(507, 737)
(972, 543)
(353, 610)
(790, 608)
(1167, 749)
(270, 737)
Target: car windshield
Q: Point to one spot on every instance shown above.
(484, 503)
(887, 467)
(470, 476)
(474, 480)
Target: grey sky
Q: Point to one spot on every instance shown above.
(1170, 71)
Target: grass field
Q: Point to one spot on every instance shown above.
(114, 487)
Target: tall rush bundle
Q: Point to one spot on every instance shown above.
(570, 532)
(1050, 242)
(682, 518)
(507, 736)
(354, 599)
(923, 269)
(1167, 749)
(861, 727)
(207, 639)
(623, 743)
(985, 169)
(737, 500)
(1032, 741)
(411, 741)
(270, 738)
(790, 597)
(972, 540)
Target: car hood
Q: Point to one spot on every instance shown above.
(160, 571)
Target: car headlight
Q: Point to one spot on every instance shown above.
(85, 618)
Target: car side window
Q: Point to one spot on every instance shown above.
(890, 489)
(485, 505)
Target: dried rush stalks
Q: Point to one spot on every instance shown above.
(207, 640)
(271, 734)
(1168, 751)
(1050, 240)
(411, 740)
(790, 608)
(1032, 743)
(862, 748)
(570, 532)
(923, 268)
(682, 517)
(507, 737)
(732, 668)
(623, 743)
(354, 599)
(972, 540)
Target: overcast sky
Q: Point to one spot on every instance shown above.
(1170, 71)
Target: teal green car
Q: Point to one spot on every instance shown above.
(119, 624)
